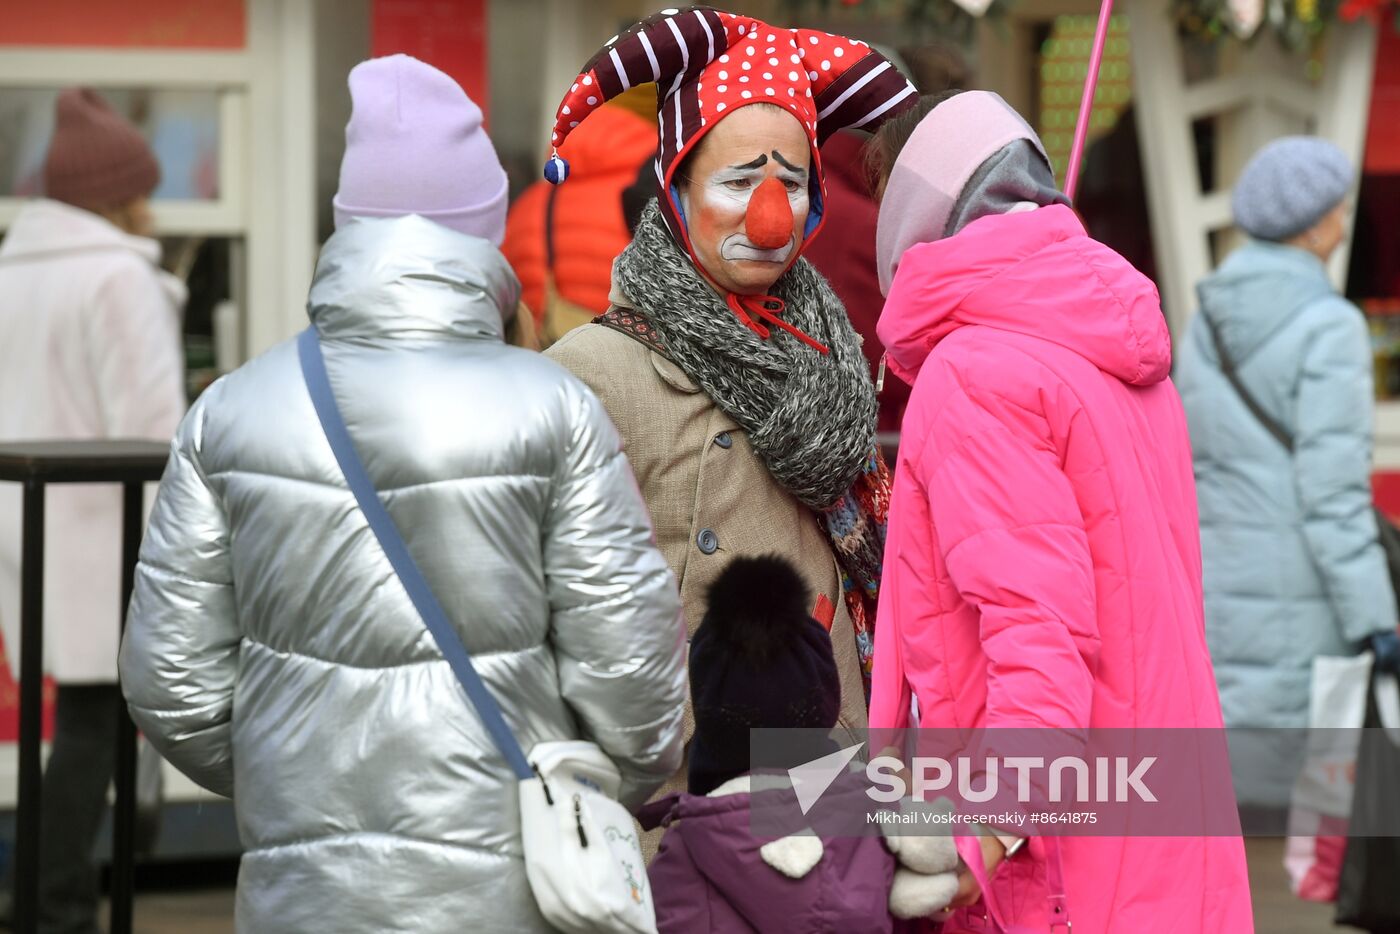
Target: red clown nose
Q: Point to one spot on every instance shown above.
(768, 223)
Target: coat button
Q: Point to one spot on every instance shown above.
(708, 541)
(723, 440)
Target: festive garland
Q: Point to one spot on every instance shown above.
(1297, 23)
(1377, 11)
(949, 18)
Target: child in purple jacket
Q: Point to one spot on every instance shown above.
(759, 660)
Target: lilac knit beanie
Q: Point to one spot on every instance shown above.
(414, 145)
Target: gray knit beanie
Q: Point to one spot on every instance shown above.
(1289, 186)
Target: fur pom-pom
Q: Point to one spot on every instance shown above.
(793, 856)
(756, 605)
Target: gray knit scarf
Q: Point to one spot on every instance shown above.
(810, 416)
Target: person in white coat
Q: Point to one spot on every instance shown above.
(89, 349)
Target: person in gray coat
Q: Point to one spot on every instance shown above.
(273, 655)
(1293, 566)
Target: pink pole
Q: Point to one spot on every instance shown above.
(1086, 103)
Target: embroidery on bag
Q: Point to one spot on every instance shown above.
(629, 871)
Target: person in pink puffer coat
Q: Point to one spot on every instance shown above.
(1043, 566)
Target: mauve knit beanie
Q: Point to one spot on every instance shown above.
(415, 145)
(96, 159)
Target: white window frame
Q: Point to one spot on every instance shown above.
(267, 149)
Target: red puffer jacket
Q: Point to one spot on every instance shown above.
(604, 154)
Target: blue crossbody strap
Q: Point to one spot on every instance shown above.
(313, 368)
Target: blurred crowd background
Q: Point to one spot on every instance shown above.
(244, 104)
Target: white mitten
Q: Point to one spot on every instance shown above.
(926, 878)
(919, 895)
(928, 855)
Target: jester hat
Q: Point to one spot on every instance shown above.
(706, 64)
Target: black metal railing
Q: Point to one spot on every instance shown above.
(36, 465)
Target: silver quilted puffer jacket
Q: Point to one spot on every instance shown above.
(272, 654)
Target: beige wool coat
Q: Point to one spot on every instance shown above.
(711, 497)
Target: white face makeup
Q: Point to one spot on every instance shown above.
(731, 189)
(724, 207)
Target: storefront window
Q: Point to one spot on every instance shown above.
(181, 126)
(1374, 278)
(1064, 57)
(1112, 195)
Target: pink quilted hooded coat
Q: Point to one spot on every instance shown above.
(1043, 565)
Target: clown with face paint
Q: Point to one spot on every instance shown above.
(726, 362)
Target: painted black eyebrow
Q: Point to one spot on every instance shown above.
(786, 164)
(758, 163)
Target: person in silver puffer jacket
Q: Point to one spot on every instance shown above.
(273, 655)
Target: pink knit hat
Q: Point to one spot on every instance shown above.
(414, 145)
(96, 159)
(942, 154)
